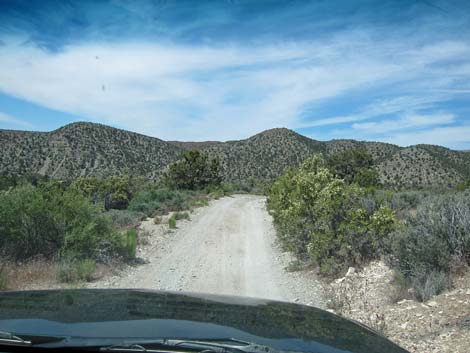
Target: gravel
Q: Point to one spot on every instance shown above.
(228, 247)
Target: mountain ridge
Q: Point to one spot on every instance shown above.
(90, 149)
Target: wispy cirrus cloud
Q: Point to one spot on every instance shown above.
(406, 122)
(247, 88)
(174, 72)
(387, 106)
(8, 119)
(207, 92)
(456, 136)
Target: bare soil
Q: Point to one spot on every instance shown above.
(440, 325)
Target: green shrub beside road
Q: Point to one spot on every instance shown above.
(53, 221)
(71, 271)
(131, 243)
(432, 242)
(172, 221)
(336, 223)
(321, 217)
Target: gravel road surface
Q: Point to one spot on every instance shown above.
(228, 247)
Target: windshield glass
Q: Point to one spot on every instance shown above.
(264, 171)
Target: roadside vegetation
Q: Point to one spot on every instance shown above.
(86, 222)
(335, 214)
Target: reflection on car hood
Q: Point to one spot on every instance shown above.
(156, 314)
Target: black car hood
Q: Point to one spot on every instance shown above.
(155, 314)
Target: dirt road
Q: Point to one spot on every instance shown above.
(226, 248)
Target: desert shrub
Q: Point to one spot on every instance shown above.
(86, 228)
(194, 171)
(320, 217)
(66, 272)
(125, 218)
(354, 166)
(7, 182)
(131, 243)
(52, 220)
(114, 192)
(199, 202)
(181, 215)
(71, 271)
(85, 269)
(221, 190)
(216, 194)
(406, 200)
(400, 288)
(157, 200)
(427, 285)
(118, 192)
(27, 223)
(172, 221)
(3, 279)
(432, 241)
(204, 202)
(91, 187)
(296, 265)
(463, 185)
(402, 202)
(249, 185)
(143, 236)
(227, 188)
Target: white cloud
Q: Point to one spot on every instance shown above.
(186, 92)
(454, 136)
(395, 106)
(6, 118)
(408, 121)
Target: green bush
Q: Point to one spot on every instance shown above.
(28, 224)
(131, 243)
(114, 192)
(426, 285)
(157, 200)
(432, 242)
(3, 279)
(216, 194)
(66, 272)
(125, 218)
(463, 185)
(50, 220)
(85, 269)
(71, 271)
(172, 221)
(354, 166)
(195, 171)
(181, 215)
(87, 240)
(199, 202)
(321, 218)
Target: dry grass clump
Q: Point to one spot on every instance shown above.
(45, 274)
(24, 275)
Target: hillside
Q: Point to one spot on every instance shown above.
(87, 149)
(84, 149)
(265, 155)
(198, 145)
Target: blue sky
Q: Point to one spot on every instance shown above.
(392, 71)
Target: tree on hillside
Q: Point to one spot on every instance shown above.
(194, 171)
(354, 166)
